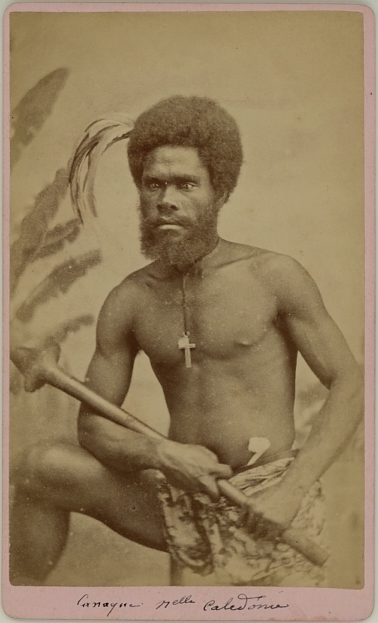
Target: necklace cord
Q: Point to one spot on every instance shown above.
(185, 307)
(185, 304)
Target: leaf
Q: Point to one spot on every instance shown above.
(62, 331)
(97, 138)
(35, 224)
(56, 238)
(34, 109)
(58, 281)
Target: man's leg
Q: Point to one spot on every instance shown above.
(52, 482)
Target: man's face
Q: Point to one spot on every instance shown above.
(178, 206)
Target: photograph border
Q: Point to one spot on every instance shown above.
(49, 602)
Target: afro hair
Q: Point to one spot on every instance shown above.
(197, 122)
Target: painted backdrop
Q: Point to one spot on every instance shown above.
(294, 82)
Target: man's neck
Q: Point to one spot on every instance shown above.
(205, 260)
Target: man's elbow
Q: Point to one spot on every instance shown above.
(352, 387)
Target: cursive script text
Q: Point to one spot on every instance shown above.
(176, 602)
(243, 602)
(85, 602)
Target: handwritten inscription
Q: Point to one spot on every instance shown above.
(109, 606)
(243, 602)
(176, 602)
(231, 604)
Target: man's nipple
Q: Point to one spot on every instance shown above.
(243, 341)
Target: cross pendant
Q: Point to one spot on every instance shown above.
(184, 344)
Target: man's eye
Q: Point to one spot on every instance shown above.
(153, 185)
(186, 186)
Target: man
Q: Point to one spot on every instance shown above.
(222, 324)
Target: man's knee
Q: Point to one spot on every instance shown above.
(40, 468)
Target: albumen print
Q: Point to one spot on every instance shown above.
(187, 198)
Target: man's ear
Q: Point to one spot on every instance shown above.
(221, 200)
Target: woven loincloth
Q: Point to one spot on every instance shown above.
(202, 535)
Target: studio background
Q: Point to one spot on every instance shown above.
(294, 83)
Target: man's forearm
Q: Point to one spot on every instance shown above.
(331, 431)
(186, 466)
(116, 446)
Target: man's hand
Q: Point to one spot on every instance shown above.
(191, 467)
(267, 513)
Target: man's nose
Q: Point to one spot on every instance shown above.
(167, 199)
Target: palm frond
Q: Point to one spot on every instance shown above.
(64, 329)
(57, 237)
(97, 138)
(35, 225)
(34, 109)
(60, 279)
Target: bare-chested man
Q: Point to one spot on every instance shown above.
(222, 324)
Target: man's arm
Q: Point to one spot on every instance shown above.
(187, 466)
(324, 349)
(318, 339)
(109, 375)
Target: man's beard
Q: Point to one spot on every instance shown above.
(180, 248)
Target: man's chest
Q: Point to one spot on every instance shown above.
(221, 317)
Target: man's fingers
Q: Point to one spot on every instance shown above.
(209, 453)
(222, 471)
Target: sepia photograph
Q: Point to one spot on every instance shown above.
(187, 301)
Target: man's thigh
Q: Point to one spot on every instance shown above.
(126, 502)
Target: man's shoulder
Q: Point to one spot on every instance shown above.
(124, 298)
(284, 278)
(264, 262)
(281, 276)
(279, 265)
(136, 281)
(281, 273)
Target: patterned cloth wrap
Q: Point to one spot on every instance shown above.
(202, 535)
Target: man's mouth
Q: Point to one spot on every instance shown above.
(169, 226)
(165, 223)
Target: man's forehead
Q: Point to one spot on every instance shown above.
(172, 157)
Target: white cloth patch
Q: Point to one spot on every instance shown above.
(257, 445)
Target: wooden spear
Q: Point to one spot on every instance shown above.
(41, 366)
